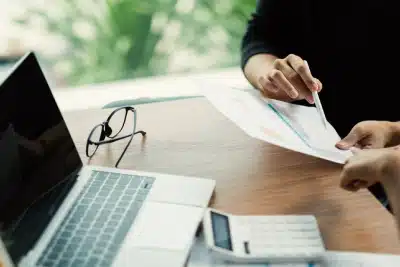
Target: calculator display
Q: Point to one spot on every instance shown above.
(221, 231)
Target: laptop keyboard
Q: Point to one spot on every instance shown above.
(96, 225)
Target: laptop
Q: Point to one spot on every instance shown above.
(54, 211)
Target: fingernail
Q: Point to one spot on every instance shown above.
(315, 87)
(342, 144)
(293, 94)
(310, 99)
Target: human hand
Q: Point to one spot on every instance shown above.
(368, 134)
(367, 167)
(292, 76)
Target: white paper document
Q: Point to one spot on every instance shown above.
(291, 126)
(200, 257)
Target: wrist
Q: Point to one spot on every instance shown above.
(390, 169)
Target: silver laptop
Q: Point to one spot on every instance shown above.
(56, 212)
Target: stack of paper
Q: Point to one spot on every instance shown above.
(291, 126)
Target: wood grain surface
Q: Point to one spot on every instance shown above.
(191, 138)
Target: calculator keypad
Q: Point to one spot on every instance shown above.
(288, 236)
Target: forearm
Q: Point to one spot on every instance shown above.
(390, 179)
(257, 66)
(270, 34)
(393, 192)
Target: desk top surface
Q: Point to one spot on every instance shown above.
(190, 137)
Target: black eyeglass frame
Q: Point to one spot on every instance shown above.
(106, 132)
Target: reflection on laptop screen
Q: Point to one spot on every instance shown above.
(38, 159)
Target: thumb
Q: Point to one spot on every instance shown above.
(349, 141)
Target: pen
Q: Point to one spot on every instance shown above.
(318, 103)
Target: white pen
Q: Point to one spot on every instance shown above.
(318, 104)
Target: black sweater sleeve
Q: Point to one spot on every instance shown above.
(273, 28)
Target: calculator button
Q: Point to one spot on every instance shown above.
(295, 227)
(310, 227)
(279, 227)
(264, 244)
(311, 235)
(315, 242)
(319, 250)
(295, 242)
(289, 252)
(305, 219)
(299, 235)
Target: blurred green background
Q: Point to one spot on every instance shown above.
(107, 40)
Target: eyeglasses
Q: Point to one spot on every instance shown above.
(110, 129)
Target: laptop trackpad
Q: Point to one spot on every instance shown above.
(165, 226)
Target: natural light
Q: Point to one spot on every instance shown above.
(97, 52)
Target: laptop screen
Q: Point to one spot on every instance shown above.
(38, 159)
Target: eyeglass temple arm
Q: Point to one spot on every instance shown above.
(143, 133)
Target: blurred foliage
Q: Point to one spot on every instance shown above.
(120, 39)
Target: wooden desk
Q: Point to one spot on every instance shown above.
(190, 137)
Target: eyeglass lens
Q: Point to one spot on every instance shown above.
(117, 122)
(94, 137)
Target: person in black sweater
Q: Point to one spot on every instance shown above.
(351, 50)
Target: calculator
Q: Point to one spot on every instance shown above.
(263, 239)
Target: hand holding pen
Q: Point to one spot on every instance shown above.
(292, 76)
